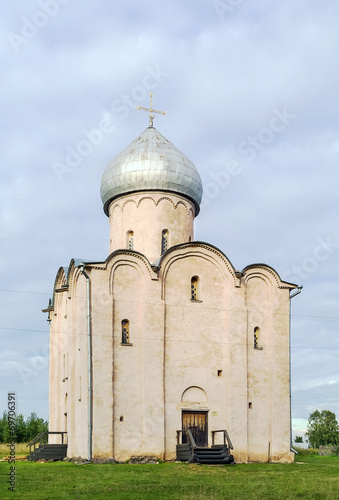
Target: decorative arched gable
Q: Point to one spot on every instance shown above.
(129, 257)
(197, 250)
(60, 281)
(266, 273)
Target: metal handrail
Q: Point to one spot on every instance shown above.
(34, 440)
(226, 438)
(189, 435)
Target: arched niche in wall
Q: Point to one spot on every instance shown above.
(194, 394)
(259, 294)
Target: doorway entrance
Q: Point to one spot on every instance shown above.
(196, 421)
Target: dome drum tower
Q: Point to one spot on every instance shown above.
(151, 191)
(150, 222)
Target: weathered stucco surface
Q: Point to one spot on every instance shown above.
(182, 354)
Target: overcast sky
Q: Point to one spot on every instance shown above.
(250, 90)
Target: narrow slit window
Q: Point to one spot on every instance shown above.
(130, 240)
(195, 288)
(125, 331)
(256, 338)
(164, 240)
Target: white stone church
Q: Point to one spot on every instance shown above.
(164, 334)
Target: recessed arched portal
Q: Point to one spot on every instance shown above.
(195, 420)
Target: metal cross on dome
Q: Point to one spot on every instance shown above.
(151, 110)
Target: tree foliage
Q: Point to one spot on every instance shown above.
(25, 430)
(35, 425)
(298, 439)
(322, 428)
(4, 429)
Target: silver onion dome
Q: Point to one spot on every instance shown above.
(151, 162)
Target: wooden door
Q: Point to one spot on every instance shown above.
(197, 423)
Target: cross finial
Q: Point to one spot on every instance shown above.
(151, 110)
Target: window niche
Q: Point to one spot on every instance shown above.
(125, 332)
(195, 289)
(164, 241)
(130, 240)
(256, 338)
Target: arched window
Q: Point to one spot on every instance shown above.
(256, 338)
(130, 240)
(164, 241)
(125, 331)
(195, 288)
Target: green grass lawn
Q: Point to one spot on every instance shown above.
(313, 477)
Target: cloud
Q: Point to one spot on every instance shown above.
(225, 79)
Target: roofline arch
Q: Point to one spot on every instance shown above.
(194, 246)
(272, 272)
(138, 255)
(61, 271)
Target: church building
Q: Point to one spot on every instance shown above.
(165, 334)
